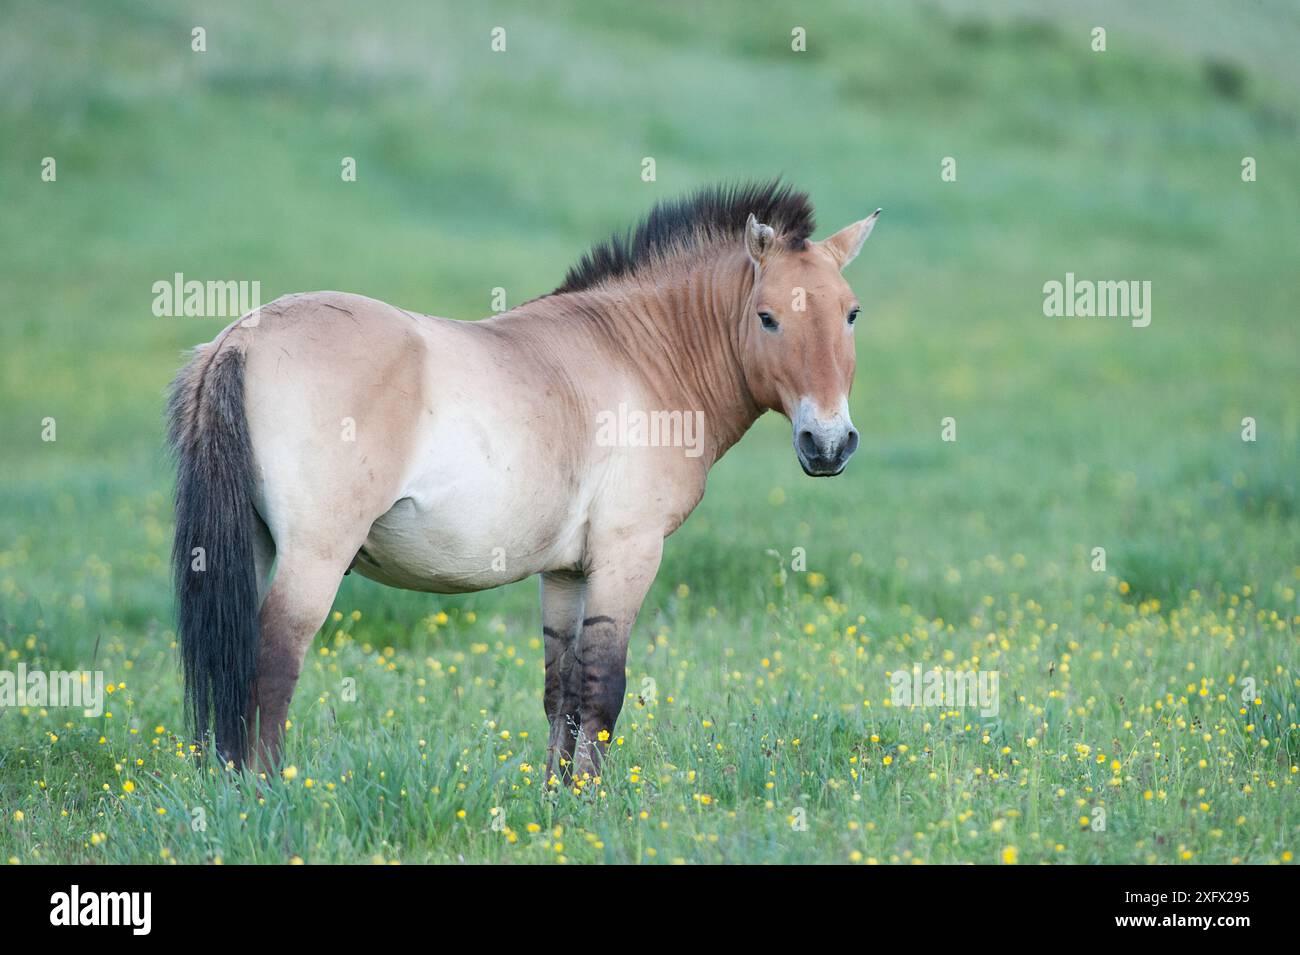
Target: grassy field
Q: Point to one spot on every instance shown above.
(1124, 734)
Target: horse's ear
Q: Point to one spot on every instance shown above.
(845, 245)
(759, 239)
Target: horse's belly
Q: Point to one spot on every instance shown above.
(460, 547)
(488, 496)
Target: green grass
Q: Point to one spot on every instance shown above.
(478, 170)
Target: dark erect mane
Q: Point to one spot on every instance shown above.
(711, 214)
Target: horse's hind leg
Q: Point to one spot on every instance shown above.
(295, 607)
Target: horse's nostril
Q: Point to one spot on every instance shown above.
(850, 443)
(807, 444)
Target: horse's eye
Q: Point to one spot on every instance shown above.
(853, 315)
(768, 321)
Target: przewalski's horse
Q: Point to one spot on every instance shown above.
(328, 432)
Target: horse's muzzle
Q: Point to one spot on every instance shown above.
(822, 445)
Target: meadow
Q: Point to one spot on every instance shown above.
(1148, 709)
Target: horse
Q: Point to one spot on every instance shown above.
(328, 432)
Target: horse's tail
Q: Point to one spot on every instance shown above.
(212, 552)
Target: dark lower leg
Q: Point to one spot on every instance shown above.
(562, 595)
(561, 700)
(278, 667)
(603, 685)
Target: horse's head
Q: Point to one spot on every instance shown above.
(797, 339)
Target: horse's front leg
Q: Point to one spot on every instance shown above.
(562, 600)
(615, 590)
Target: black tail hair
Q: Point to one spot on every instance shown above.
(212, 552)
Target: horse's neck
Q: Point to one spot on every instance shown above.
(677, 331)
